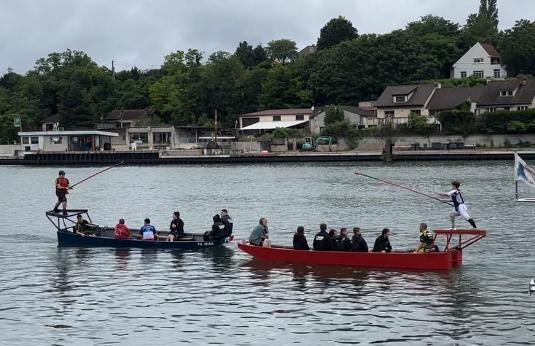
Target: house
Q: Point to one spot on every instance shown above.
(51, 123)
(399, 101)
(445, 99)
(355, 115)
(89, 140)
(513, 95)
(122, 118)
(259, 122)
(311, 49)
(481, 61)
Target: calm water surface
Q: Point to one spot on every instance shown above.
(53, 296)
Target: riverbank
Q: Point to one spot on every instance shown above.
(156, 158)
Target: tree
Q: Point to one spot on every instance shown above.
(333, 114)
(282, 50)
(283, 89)
(517, 55)
(335, 31)
(481, 27)
(245, 54)
(260, 54)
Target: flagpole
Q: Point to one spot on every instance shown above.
(516, 180)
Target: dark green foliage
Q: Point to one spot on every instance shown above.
(334, 114)
(481, 27)
(335, 31)
(282, 51)
(457, 121)
(282, 132)
(502, 122)
(517, 48)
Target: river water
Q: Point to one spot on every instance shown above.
(76, 296)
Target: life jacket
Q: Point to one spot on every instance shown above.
(121, 232)
(457, 199)
(63, 182)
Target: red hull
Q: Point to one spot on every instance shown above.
(395, 260)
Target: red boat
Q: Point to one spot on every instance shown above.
(451, 256)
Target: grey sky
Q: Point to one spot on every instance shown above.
(140, 32)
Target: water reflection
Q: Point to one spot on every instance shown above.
(122, 257)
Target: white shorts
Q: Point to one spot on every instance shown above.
(463, 211)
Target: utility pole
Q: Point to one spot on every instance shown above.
(112, 70)
(215, 128)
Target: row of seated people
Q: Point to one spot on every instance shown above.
(331, 241)
(222, 227)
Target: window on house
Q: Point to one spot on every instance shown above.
(495, 61)
(389, 114)
(506, 92)
(497, 73)
(300, 117)
(141, 137)
(506, 108)
(162, 137)
(463, 74)
(34, 140)
(478, 60)
(491, 109)
(478, 74)
(400, 99)
(55, 140)
(416, 112)
(25, 140)
(49, 127)
(276, 118)
(522, 108)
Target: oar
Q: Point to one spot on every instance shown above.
(95, 174)
(403, 187)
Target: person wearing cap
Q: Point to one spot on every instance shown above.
(82, 226)
(62, 186)
(358, 244)
(382, 243)
(227, 221)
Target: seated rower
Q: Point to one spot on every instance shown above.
(148, 231)
(426, 242)
(322, 241)
(82, 227)
(358, 244)
(341, 241)
(121, 230)
(382, 243)
(176, 228)
(259, 236)
(300, 241)
(218, 229)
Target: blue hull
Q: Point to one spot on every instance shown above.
(69, 239)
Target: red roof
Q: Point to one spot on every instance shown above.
(490, 49)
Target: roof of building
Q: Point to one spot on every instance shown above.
(363, 112)
(129, 114)
(54, 118)
(524, 92)
(421, 93)
(450, 98)
(271, 125)
(289, 111)
(490, 49)
(68, 133)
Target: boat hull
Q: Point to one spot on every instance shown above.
(69, 239)
(443, 260)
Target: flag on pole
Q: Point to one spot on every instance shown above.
(523, 172)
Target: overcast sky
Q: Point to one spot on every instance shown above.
(140, 32)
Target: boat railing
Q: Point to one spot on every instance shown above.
(65, 220)
(475, 235)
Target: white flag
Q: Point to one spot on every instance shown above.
(523, 172)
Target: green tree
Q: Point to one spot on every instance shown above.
(260, 54)
(335, 31)
(282, 51)
(517, 55)
(283, 89)
(481, 27)
(245, 53)
(334, 114)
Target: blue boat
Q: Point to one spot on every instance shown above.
(104, 236)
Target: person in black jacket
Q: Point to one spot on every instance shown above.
(382, 244)
(227, 221)
(300, 241)
(342, 242)
(322, 241)
(218, 229)
(358, 244)
(176, 228)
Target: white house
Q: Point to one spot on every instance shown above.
(271, 119)
(89, 140)
(481, 61)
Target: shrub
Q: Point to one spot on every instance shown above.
(457, 122)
